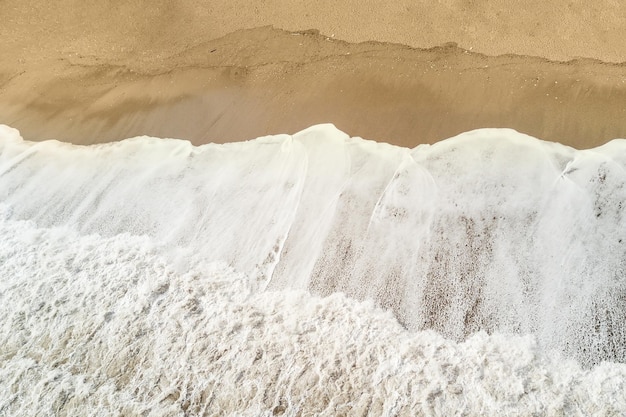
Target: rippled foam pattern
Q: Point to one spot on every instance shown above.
(312, 274)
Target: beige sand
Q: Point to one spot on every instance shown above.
(99, 71)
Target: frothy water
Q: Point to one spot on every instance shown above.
(312, 274)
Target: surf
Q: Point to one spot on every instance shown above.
(314, 259)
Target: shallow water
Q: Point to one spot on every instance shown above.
(313, 273)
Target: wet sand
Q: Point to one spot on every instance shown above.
(96, 73)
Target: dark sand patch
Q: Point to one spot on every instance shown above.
(266, 81)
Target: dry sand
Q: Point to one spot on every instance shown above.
(206, 71)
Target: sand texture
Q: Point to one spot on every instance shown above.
(215, 71)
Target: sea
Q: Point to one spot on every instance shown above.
(313, 274)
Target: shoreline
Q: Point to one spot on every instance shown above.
(263, 81)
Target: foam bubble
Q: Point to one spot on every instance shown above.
(106, 326)
(153, 277)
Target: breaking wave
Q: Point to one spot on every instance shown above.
(312, 274)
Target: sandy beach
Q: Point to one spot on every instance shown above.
(406, 73)
(318, 274)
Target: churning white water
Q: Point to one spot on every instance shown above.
(312, 274)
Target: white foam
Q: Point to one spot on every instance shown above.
(164, 268)
(105, 326)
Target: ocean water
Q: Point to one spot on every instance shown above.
(313, 274)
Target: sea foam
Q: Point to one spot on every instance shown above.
(313, 273)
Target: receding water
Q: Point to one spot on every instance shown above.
(312, 274)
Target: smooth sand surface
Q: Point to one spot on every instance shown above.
(205, 71)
